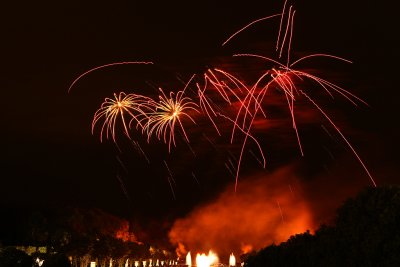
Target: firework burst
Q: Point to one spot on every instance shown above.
(128, 108)
(284, 78)
(168, 114)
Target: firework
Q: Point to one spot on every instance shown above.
(284, 78)
(168, 114)
(128, 108)
(230, 88)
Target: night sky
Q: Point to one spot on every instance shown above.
(49, 157)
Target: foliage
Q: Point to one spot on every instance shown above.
(365, 234)
(80, 233)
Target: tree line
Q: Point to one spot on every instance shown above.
(365, 233)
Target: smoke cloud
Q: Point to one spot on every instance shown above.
(266, 209)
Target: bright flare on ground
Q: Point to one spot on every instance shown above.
(232, 260)
(203, 260)
(189, 259)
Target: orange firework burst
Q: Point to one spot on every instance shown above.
(167, 113)
(128, 107)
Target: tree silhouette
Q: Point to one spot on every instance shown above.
(366, 233)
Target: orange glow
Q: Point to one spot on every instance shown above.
(125, 235)
(249, 218)
(246, 248)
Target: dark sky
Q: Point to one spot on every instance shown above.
(48, 154)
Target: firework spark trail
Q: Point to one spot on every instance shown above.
(135, 106)
(280, 26)
(211, 142)
(195, 178)
(121, 163)
(247, 134)
(226, 91)
(290, 38)
(245, 106)
(342, 135)
(124, 189)
(190, 148)
(239, 85)
(231, 164)
(319, 55)
(255, 157)
(169, 178)
(247, 26)
(205, 105)
(286, 31)
(229, 169)
(140, 150)
(108, 65)
(280, 210)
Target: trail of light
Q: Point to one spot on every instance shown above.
(286, 84)
(195, 178)
(121, 163)
(105, 66)
(247, 134)
(248, 99)
(231, 164)
(319, 55)
(229, 169)
(247, 26)
(290, 38)
(280, 211)
(141, 151)
(239, 85)
(124, 188)
(286, 31)
(169, 178)
(255, 157)
(280, 26)
(342, 135)
(258, 56)
(172, 188)
(333, 86)
(206, 106)
(224, 90)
